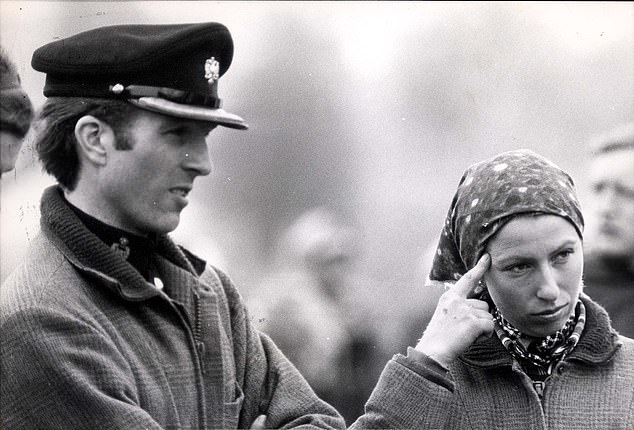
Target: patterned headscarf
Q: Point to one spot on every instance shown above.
(489, 194)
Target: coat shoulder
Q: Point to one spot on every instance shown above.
(41, 271)
(45, 281)
(627, 346)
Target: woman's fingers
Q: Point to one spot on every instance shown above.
(469, 280)
(458, 320)
(478, 304)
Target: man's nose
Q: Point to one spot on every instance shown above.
(607, 200)
(197, 159)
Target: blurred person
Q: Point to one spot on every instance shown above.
(609, 269)
(17, 216)
(16, 113)
(108, 323)
(513, 343)
(308, 306)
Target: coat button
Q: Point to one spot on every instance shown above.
(200, 346)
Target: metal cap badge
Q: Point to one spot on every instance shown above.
(212, 70)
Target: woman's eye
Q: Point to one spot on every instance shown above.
(518, 269)
(562, 256)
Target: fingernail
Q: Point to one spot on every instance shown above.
(485, 257)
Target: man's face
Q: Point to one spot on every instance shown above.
(144, 189)
(10, 145)
(612, 179)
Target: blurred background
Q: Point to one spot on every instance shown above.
(370, 109)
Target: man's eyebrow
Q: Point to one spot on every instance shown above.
(170, 123)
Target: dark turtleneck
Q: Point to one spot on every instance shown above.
(141, 248)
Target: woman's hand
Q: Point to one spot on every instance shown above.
(458, 320)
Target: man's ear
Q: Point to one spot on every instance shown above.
(95, 139)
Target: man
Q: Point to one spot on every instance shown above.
(108, 323)
(609, 270)
(16, 113)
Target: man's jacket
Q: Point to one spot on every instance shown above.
(88, 343)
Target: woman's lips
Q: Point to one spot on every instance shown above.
(552, 312)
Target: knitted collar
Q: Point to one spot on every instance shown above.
(90, 254)
(597, 343)
(136, 249)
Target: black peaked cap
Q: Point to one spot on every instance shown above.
(172, 69)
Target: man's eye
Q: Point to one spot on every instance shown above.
(176, 131)
(600, 187)
(624, 191)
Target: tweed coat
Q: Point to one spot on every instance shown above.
(87, 343)
(484, 389)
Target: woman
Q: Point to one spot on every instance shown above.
(514, 343)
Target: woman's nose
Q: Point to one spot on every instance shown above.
(548, 288)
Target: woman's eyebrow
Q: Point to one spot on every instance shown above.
(566, 244)
(513, 258)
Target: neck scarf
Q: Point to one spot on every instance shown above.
(542, 354)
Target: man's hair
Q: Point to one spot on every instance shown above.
(16, 109)
(55, 140)
(617, 139)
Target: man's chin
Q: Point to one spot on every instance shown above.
(165, 225)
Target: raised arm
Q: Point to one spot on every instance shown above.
(417, 391)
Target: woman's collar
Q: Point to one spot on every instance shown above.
(598, 342)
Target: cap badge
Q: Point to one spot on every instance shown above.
(212, 70)
(117, 88)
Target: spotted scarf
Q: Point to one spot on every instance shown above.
(490, 194)
(542, 354)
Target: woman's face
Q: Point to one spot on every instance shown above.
(535, 273)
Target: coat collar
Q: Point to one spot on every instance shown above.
(93, 257)
(598, 342)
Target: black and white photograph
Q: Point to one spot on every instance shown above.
(317, 214)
